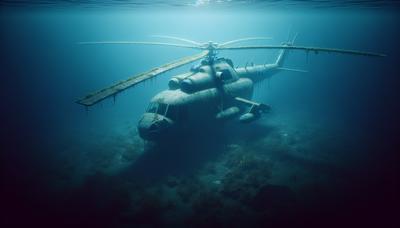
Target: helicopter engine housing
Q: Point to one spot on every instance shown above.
(197, 82)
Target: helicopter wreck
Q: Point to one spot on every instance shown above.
(213, 91)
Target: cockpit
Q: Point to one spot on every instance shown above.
(167, 110)
(158, 120)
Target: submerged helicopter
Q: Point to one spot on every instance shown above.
(212, 91)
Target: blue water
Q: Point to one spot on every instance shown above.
(327, 143)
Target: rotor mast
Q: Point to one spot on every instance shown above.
(212, 51)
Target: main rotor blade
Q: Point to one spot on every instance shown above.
(142, 42)
(245, 39)
(178, 38)
(118, 87)
(304, 48)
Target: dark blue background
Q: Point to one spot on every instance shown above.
(44, 70)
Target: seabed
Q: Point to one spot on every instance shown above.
(271, 172)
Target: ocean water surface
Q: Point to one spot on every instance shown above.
(324, 156)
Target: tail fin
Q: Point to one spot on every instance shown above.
(283, 53)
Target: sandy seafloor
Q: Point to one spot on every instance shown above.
(326, 156)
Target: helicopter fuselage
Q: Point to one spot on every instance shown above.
(211, 92)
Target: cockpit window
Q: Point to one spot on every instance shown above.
(155, 107)
(152, 108)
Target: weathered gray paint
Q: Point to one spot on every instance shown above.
(207, 93)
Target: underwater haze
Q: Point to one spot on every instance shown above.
(324, 156)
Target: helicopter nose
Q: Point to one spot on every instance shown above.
(153, 126)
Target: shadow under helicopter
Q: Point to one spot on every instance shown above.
(184, 154)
